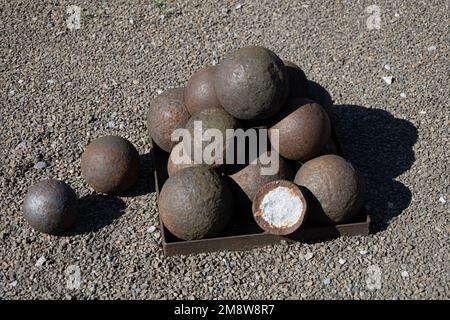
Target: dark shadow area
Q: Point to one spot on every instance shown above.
(380, 145)
(96, 212)
(145, 183)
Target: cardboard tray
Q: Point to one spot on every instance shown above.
(243, 233)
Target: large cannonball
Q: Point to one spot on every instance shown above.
(337, 188)
(166, 113)
(195, 203)
(251, 83)
(200, 93)
(304, 129)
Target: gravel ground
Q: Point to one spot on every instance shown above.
(61, 88)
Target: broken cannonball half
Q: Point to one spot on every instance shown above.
(50, 206)
(279, 207)
(110, 164)
(166, 113)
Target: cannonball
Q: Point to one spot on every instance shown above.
(200, 93)
(50, 206)
(251, 83)
(166, 113)
(298, 87)
(337, 189)
(195, 203)
(110, 164)
(304, 129)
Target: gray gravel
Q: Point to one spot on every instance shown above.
(61, 88)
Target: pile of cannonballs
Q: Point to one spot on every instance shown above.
(251, 88)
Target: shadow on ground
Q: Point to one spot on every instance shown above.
(96, 212)
(146, 181)
(381, 146)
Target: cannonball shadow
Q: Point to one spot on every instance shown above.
(96, 212)
(145, 183)
(381, 146)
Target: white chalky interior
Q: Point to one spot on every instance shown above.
(281, 208)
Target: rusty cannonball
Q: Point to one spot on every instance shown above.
(211, 118)
(251, 83)
(304, 129)
(200, 93)
(279, 207)
(298, 86)
(110, 164)
(166, 113)
(249, 178)
(50, 206)
(195, 203)
(337, 189)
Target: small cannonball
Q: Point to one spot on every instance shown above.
(110, 164)
(50, 206)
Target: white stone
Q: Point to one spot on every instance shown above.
(404, 274)
(40, 165)
(151, 229)
(159, 91)
(403, 95)
(387, 66)
(13, 284)
(442, 200)
(40, 261)
(363, 252)
(431, 48)
(238, 6)
(388, 80)
(50, 81)
(342, 261)
(281, 208)
(326, 281)
(309, 255)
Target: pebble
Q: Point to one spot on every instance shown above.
(238, 6)
(13, 284)
(40, 261)
(431, 48)
(403, 95)
(388, 80)
(40, 165)
(363, 252)
(404, 274)
(387, 66)
(151, 229)
(50, 81)
(309, 256)
(342, 261)
(442, 200)
(326, 281)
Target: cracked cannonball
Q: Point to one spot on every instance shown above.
(195, 203)
(337, 189)
(251, 83)
(110, 164)
(279, 207)
(200, 93)
(304, 129)
(212, 118)
(298, 87)
(50, 206)
(166, 113)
